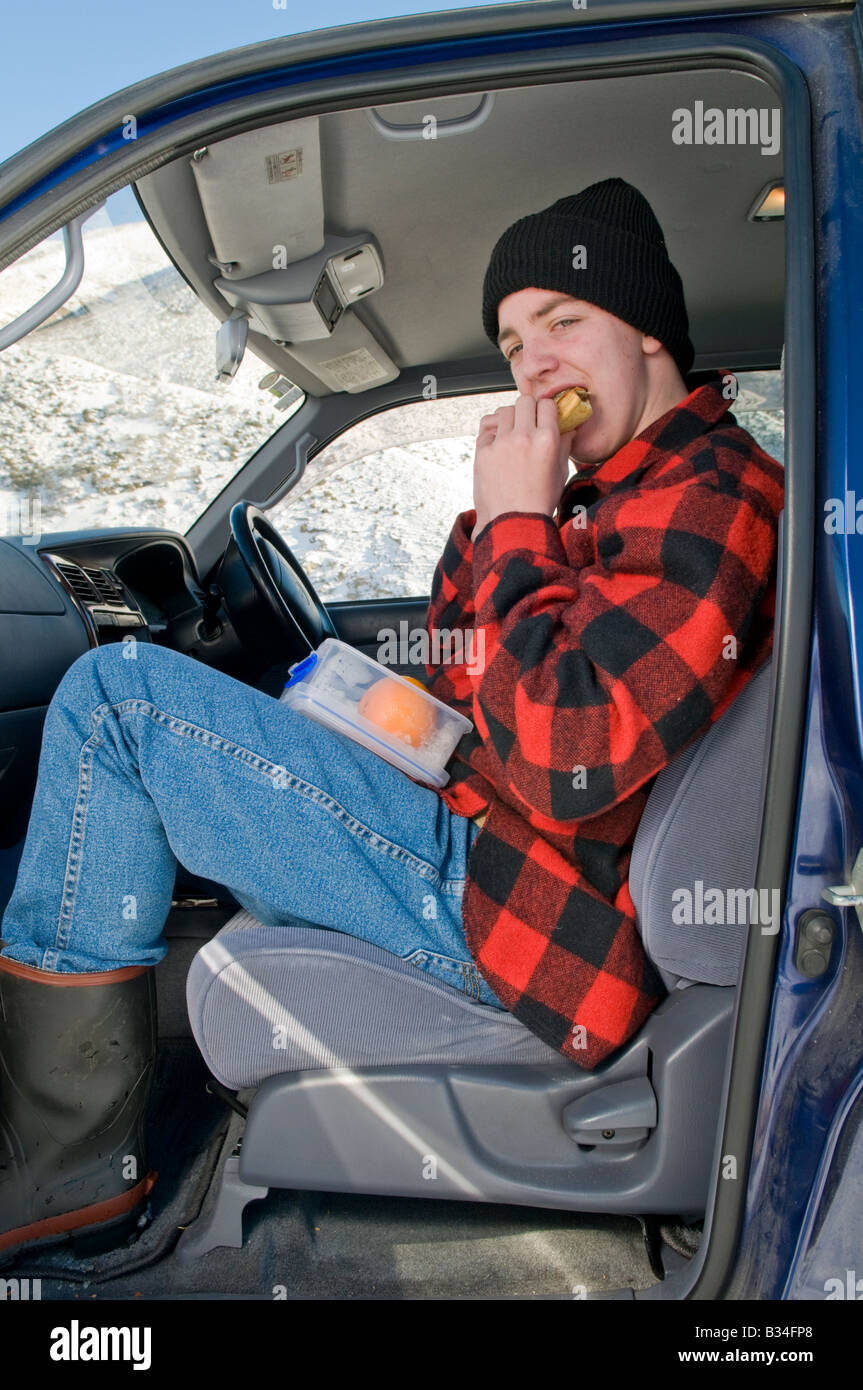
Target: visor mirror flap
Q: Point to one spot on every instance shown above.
(259, 189)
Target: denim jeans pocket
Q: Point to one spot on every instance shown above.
(459, 974)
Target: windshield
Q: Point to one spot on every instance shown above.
(110, 411)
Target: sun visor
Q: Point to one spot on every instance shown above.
(350, 360)
(262, 192)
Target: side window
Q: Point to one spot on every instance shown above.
(372, 515)
(110, 411)
(760, 409)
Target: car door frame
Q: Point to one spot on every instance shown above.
(64, 173)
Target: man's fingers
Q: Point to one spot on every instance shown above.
(533, 414)
(500, 419)
(527, 413)
(546, 411)
(536, 406)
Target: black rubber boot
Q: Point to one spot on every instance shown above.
(76, 1062)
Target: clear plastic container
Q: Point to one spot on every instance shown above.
(340, 687)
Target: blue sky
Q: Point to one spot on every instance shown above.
(61, 56)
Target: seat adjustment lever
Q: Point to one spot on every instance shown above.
(621, 1113)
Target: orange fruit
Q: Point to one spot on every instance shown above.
(399, 711)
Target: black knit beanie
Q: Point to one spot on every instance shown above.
(624, 267)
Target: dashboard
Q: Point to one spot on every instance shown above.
(76, 590)
(65, 593)
(101, 599)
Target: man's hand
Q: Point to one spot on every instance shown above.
(521, 461)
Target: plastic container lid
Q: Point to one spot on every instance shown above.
(329, 685)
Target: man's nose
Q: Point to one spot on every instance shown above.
(536, 359)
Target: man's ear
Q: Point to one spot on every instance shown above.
(650, 345)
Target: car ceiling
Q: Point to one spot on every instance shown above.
(437, 206)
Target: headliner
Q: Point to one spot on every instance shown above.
(436, 208)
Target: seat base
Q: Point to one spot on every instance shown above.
(223, 1226)
(546, 1135)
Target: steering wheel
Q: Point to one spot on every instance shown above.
(281, 597)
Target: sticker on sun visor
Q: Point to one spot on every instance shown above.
(287, 165)
(353, 368)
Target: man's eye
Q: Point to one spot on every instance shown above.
(558, 324)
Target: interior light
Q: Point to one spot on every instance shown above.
(769, 206)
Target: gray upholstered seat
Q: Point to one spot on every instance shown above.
(330, 1000)
(701, 824)
(361, 1066)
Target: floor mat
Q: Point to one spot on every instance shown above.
(319, 1245)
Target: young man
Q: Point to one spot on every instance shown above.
(621, 614)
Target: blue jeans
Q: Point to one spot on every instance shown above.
(150, 757)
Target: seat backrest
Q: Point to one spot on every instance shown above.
(702, 825)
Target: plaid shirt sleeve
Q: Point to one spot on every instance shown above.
(451, 610)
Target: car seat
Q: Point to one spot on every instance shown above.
(365, 1075)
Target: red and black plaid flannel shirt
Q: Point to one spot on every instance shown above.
(613, 637)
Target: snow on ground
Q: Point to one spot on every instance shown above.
(111, 415)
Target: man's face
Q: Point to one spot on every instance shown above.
(572, 343)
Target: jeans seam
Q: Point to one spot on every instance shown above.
(470, 979)
(73, 858)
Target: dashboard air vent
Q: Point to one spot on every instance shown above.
(81, 586)
(108, 589)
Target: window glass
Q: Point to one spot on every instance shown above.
(760, 409)
(110, 411)
(371, 516)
